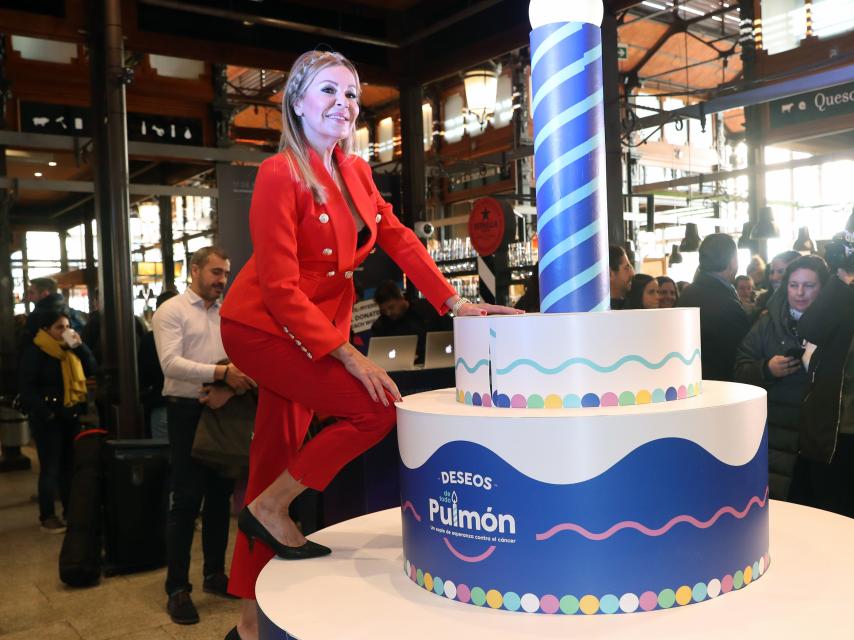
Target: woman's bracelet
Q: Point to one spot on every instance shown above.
(459, 303)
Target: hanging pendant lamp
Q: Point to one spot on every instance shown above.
(804, 242)
(691, 241)
(765, 227)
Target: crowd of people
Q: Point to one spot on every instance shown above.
(786, 327)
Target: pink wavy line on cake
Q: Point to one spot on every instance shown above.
(460, 556)
(411, 507)
(631, 524)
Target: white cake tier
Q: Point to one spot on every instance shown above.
(573, 360)
(564, 446)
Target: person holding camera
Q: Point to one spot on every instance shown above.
(772, 356)
(825, 477)
(52, 379)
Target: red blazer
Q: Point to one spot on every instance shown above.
(299, 280)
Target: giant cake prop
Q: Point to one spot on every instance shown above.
(650, 499)
(580, 465)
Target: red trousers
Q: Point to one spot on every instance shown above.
(291, 388)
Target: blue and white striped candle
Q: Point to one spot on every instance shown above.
(569, 152)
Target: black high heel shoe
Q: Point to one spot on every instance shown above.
(233, 635)
(253, 530)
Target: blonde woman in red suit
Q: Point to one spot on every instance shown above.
(315, 216)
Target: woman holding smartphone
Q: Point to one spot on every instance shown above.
(772, 356)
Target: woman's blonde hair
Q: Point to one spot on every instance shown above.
(293, 141)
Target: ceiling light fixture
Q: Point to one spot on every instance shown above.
(481, 87)
(52, 163)
(38, 174)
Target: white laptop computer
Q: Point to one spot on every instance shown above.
(393, 353)
(439, 351)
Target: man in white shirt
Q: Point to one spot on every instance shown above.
(189, 346)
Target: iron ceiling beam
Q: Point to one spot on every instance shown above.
(239, 16)
(749, 97)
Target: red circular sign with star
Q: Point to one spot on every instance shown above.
(487, 226)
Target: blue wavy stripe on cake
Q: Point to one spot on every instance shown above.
(651, 485)
(526, 362)
(469, 368)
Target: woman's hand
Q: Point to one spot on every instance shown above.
(782, 366)
(375, 379)
(481, 309)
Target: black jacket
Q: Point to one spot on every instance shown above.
(772, 335)
(40, 380)
(828, 324)
(723, 324)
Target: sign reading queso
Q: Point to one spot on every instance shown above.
(815, 105)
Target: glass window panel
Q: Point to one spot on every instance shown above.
(75, 243)
(95, 236)
(42, 245)
(806, 185)
(454, 124)
(778, 185)
(836, 184)
(18, 286)
(43, 50)
(427, 125)
(503, 102)
(195, 244)
(831, 17)
(169, 67)
(651, 102)
(774, 155)
(784, 25)
(675, 133)
(180, 266)
(363, 143)
(702, 139)
(385, 139)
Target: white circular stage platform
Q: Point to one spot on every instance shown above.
(361, 592)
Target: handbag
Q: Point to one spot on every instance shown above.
(223, 435)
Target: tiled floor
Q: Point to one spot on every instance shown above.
(34, 604)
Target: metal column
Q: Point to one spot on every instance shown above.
(613, 130)
(167, 252)
(414, 182)
(118, 375)
(754, 133)
(412, 147)
(91, 267)
(8, 348)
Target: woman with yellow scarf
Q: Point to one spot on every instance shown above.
(52, 382)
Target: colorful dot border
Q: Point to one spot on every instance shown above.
(589, 604)
(575, 401)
